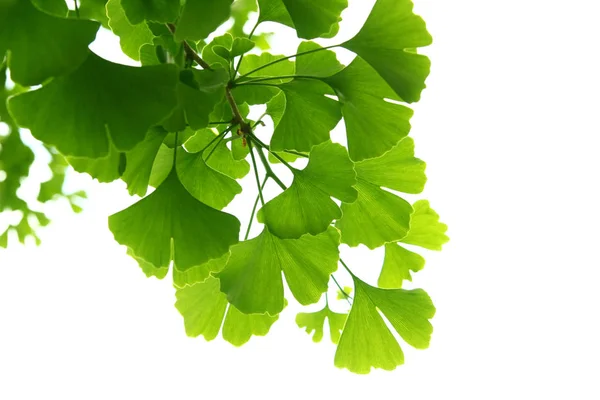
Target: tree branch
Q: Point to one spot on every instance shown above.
(191, 54)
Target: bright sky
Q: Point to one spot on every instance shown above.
(509, 128)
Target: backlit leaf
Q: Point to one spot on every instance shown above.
(314, 322)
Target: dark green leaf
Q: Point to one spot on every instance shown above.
(132, 37)
(200, 17)
(151, 10)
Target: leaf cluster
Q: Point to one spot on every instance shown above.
(176, 130)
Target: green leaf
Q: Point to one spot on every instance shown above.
(314, 322)
(322, 64)
(53, 7)
(426, 230)
(345, 294)
(222, 158)
(151, 10)
(99, 103)
(199, 18)
(262, 94)
(171, 215)
(397, 264)
(252, 278)
(199, 273)
(204, 183)
(385, 41)
(373, 125)
(308, 117)
(147, 268)
(93, 9)
(105, 169)
(140, 161)
(132, 37)
(42, 46)
(198, 92)
(306, 206)
(203, 308)
(241, 46)
(367, 342)
(398, 169)
(212, 58)
(310, 18)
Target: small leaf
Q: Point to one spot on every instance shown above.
(345, 294)
(383, 42)
(252, 278)
(262, 94)
(241, 46)
(426, 230)
(199, 232)
(306, 206)
(397, 265)
(42, 46)
(199, 18)
(314, 322)
(367, 342)
(203, 308)
(99, 103)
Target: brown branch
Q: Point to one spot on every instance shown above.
(190, 53)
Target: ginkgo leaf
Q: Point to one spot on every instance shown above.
(310, 18)
(140, 161)
(343, 295)
(147, 268)
(151, 10)
(198, 92)
(306, 206)
(204, 307)
(398, 169)
(105, 169)
(385, 41)
(367, 342)
(315, 322)
(397, 266)
(426, 230)
(212, 58)
(204, 183)
(378, 216)
(93, 9)
(252, 278)
(373, 125)
(200, 17)
(262, 94)
(100, 102)
(41, 45)
(293, 130)
(132, 37)
(199, 273)
(321, 64)
(222, 158)
(171, 217)
(241, 45)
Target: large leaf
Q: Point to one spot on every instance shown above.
(171, 217)
(204, 307)
(252, 278)
(200, 17)
(151, 10)
(367, 342)
(101, 102)
(373, 125)
(41, 46)
(387, 40)
(132, 37)
(310, 18)
(322, 63)
(308, 116)
(306, 206)
(378, 216)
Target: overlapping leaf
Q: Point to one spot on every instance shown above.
(310, 18)
(171, 224)
(252, 278)
(132, 37)
(98, 104)
(306, 206)
(200, 17)
(367, 342)
(41, 45)
(204, 309)
(378, 216)
(373, 125)
(138, 11)
(387, 42)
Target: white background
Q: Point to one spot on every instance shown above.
(509, 127)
